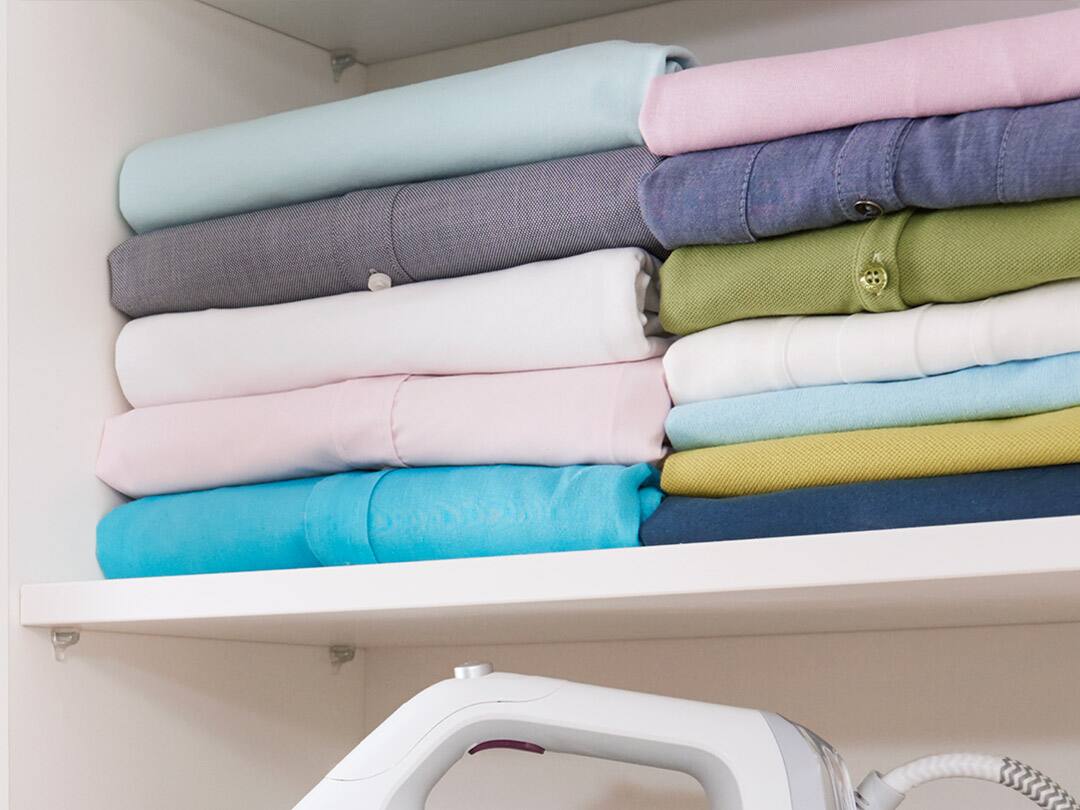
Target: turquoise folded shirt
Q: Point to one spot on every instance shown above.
(570, 102)
(390, 516)
(985, 392)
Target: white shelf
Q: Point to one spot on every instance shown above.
(979, 574)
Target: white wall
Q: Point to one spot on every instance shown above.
(4, 590)
(880, 698)
(130, 723)
(723, 30)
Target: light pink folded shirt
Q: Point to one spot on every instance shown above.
(1011, 63)
(608, 414)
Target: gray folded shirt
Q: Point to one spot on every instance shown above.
(387, 236)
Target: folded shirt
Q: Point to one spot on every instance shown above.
(611, 414)
(534, 109)
(582, 310)
(744, 193)
(376, 238)
(1010, 63)
(890, 263)
(875, 455)
(771, 354)
(1035, 492)
(388, 516)
(988, 392)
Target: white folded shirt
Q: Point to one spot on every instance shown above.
(583, 310)
(771, 354)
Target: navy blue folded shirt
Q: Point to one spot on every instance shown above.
(975, 498)
(744, 193)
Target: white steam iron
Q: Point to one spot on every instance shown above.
(745, 759)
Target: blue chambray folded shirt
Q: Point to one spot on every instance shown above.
(744, 193)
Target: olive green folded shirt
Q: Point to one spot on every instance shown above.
(890, 263)
(824, 459)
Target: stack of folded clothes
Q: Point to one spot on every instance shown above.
(876, 268)
(431, 322)
(411, 325)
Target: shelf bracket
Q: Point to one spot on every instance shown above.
(62, 638)
(341, 654)
(341, 60)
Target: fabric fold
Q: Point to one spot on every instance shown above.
(579, 311)
(387, 516)
(888, 264)
(1034, 492)
(388, 236)
(987, 392)
(522, 112)
(771, 354)
(1009, 63)
(805, 182)
(610, 414)
(825, 459)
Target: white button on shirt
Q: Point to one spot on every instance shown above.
(378, 281)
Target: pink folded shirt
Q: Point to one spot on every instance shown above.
(609, 414)
(1012, 63)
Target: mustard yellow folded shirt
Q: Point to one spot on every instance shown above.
(891, 263)
(875, 455)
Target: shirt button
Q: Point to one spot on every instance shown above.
(868, 209)
(874, 278)
(378, 281)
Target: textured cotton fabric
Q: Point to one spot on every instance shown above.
(891, 263)
(570, 102)
(744, 193)
(394, 235)
(1010, 63)
(875, 455)
(1035, 492)
(771, 354)
(989, 392)
(582, 310)
(388, 516)
(611, 414)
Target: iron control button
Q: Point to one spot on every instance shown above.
(874, 278)
(378, 281)
(473, 669)
(868, 209)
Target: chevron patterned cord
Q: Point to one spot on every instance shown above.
(1036, 786)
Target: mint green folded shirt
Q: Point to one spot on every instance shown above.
(570, 102)
(1011, 389)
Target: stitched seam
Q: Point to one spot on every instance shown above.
(856, 262)
(786, 353)
(336, 247)
(999, 186)
(894, 153)
(335, 425)
(393, 230)
(921, 313)
(838, 172)
(975, 322)
(744, 199)
(393, 419)
(839, 341)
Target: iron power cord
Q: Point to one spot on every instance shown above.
(877, 792)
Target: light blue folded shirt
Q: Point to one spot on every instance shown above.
(571, 102)
(369, 517)
(985, 392)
